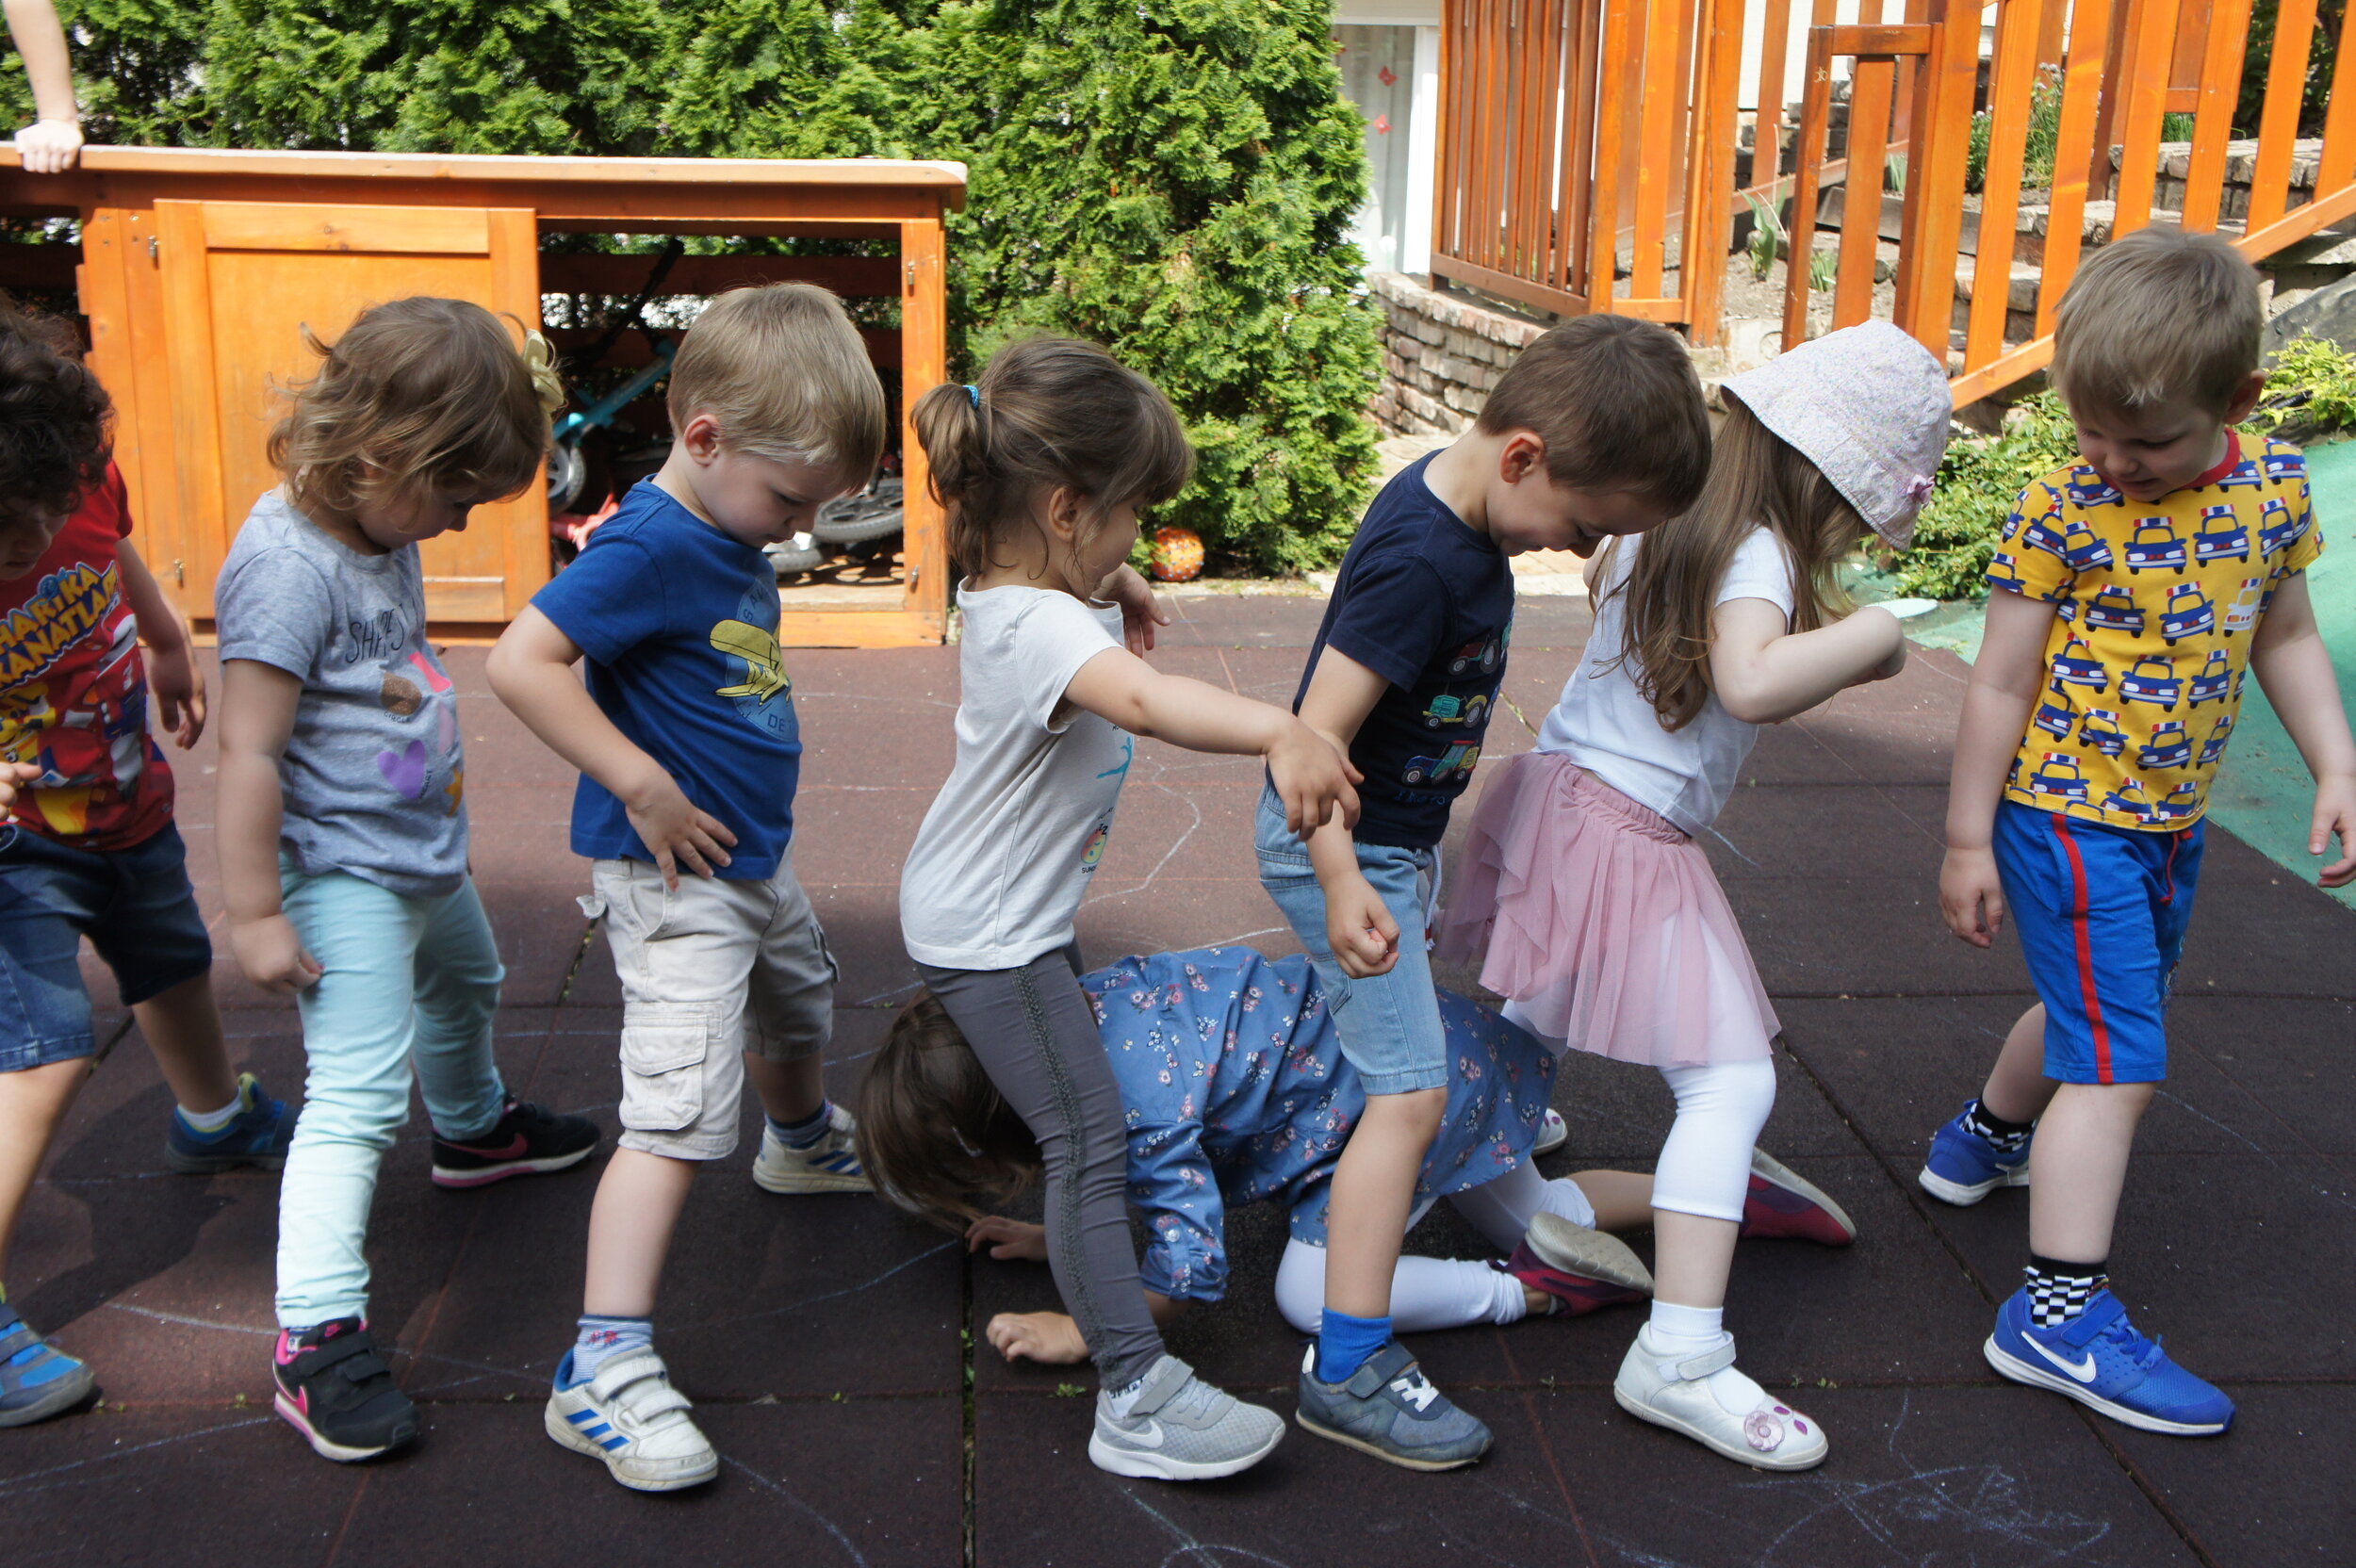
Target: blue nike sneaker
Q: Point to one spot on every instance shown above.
(1965, 1168)
(2098, 1359)
(257, 1136)
(37, 1380)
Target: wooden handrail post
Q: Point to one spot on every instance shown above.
(1709, 170)
(1935, 175)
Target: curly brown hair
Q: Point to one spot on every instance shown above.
(56, 423)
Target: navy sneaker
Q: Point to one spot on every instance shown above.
(526, 1140)
(257, 1136)
(335, 1390)
(37, 1380)
(2098, 1359)
(1388, 1409)
(1965, 1168)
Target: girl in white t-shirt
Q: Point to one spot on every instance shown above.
(1044, 466)
(1598, 915)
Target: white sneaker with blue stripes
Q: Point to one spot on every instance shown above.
(831, 1165)
(629, 1416)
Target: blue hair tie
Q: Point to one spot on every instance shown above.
(973, 392)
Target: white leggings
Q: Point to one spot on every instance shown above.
(1445, 1293)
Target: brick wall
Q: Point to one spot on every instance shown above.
(1442, 353)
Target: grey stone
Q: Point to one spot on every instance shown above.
(2330, 313)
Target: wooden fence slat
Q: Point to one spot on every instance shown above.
(2147, 101)
(2228, 23)
(1657, 107)
(1579, 140)
(2278, 126)
(2073, 156)
(2011, 89)
(1710, 189)
(1450, 112)
(1943, 140)
(1872, 84)
(1815, 125)
(1774, 44)
(1611, 106)
(1545, 144)
(2338, 165)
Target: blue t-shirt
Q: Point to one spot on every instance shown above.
(680, 625)
(1427, 604)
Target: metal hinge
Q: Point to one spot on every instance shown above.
(154, 247)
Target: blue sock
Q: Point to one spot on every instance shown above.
(802, 1133)
(1346, 1343)
(603, 1338)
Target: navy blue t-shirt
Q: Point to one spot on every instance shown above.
(1427, 604)
(679, 624)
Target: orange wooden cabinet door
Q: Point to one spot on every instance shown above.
(241, 282)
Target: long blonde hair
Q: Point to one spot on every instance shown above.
(1756, 479)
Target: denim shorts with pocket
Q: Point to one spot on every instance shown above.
(136, 907)
(1389, 1023)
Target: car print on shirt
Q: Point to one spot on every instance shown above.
(2076, 665)
(2277, 529)
(1461, 711)
(2129, 800)
(2055, 719)
(2038, 534)
(2059, 776)
(1457, 759)
(2152, 682)
(2285, 466)
(2099, 732)
(2085, 549)
(2114, 609)
(2220, 535)
(2004, 571)
(2153, 544)
(2088, 488)
(2188, 614)
(2168, 747)
(2245, 474)
(2242, 613)
(2213, 747)
(2215, 683)
(2181, 803)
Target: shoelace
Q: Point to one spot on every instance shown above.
(2120, 1333)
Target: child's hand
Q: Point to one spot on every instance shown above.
(1313, 778)
(1968, 884)
(178, 684)
(1044, 1336)
(673, 831)
(1359, 927)
(2336, 813)
(272, 957)
(1008, 1239)
(1140, 608)
(13, 775)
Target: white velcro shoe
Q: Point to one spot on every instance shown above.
(831, 1165)
(629, 1416)
(1675, 1393)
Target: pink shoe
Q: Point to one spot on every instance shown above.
(1783, 1204)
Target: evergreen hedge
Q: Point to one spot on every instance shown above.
(1173, 181)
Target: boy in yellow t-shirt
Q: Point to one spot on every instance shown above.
(2132, 591)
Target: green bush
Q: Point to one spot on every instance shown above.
(1978, 482)
(1173, 181)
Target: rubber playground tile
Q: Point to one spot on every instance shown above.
(927, 675)
(2273, 1491)
(1620, 1112)
(1790, 752)
(2251, 937)
(1836, 935)
(857, 833)
(1250, 620)
(163, 1489)
(867, 1480)
(1986, 1476)
(1849, 832)
(1269, 674)
(1177, 915)
(2289, 1055)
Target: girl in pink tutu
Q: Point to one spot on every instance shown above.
(1582, 890)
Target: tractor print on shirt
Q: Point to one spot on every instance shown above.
(2153, 544)
(2055, 719)
(2060, 776)
(2220, 535)
(1484, 654)
(2215, 683)
(2075, 666)
(2213, 747)
(2181, 803)
(2101, 732)
(2088, 488)
(2086, 549)
(2152, 681)
(2168, 747)
(1455, 761)
(2242, 613)
(2114, 609)
(2188, 614)
(2277, 528)
(1465, 713)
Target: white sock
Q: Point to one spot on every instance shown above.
(1565, 1198)
(1684, 1331)
(1508, 1301)
(213, 1121)
(1123, 1401)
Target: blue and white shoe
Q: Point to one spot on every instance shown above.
(630, 1417)
(37, 1380)
(1553, 1133)
(256, 1136)
(830, 1165)
(2098, 1360)
(1965, 1168)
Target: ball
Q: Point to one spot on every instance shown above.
(1177, 555)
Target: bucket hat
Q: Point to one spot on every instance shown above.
(1869, 407)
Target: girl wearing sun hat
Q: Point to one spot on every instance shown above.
(1581, 890)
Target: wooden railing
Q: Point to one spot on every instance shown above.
(1568, 125)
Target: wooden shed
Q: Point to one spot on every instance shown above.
(197, 268)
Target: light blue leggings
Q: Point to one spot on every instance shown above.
(408, 982)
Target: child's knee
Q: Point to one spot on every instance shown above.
(1416, 1110)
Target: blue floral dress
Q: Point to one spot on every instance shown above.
(1236, 1092)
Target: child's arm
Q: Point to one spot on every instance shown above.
(1312, 777)
(1141, 610)
(2288, 655)
(2005, 678)
(1358, 924)
(532, 670)
(54, 142)
(172, 671)
(257, 718)
(1765, 672)
(13, 777)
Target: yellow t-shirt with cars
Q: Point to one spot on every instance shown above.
(2158, 604)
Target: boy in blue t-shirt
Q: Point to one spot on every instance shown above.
(689, 752)
(1597, 429)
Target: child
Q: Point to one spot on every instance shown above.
(2078, 792)
(1602, 919)
(689, 751)
(1597, 429)
(1235, 1091)
(1044, 466)
(343, 831)
(87, 841)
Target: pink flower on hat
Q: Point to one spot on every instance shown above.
(1919, 489)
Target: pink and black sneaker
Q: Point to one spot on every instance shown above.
(1582, 1268)
(526, 1140)
(336, 1391)
(1783, 1204)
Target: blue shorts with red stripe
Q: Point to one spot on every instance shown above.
(2102, 913)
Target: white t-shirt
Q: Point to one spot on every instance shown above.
(1008, 849)
(1604, 724)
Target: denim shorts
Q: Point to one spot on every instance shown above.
(1389, 1025)
(134, 906)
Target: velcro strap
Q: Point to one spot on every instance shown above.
(356, 1370)
(622, 1371)
(339, 1349)
(660, 1400)
(1694, 1368)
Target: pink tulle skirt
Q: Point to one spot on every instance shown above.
(1603, 920)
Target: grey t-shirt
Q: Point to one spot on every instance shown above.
(373, 774)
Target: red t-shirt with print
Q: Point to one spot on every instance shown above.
(74, 688)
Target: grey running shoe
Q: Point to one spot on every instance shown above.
(1388, 1409)
(1177, 1428)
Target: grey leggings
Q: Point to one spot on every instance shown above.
(1037, 1038)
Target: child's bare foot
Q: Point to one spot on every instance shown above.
(1042, 1337)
